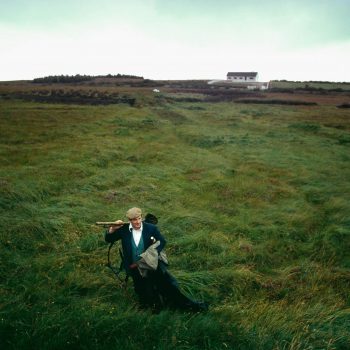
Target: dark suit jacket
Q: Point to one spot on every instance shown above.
(123, 233)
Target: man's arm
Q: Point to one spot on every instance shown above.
(114, 232)
(159, 237)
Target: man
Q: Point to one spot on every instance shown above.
(158, 286)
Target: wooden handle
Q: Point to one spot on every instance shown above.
(108, 223)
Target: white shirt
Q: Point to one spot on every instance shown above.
(136, 234)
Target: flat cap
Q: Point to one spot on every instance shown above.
(133, 213)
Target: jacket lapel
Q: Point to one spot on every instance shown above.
(145, 236)
(128, 238)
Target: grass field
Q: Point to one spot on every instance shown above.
(252, 199)
(345, 86)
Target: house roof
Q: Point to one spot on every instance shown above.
(240, 74)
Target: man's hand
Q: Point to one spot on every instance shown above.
(118, 224)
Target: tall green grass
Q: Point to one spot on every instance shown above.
(311, 85)
(253, 201)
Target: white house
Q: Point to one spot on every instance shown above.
(241, 80)
(245, 77)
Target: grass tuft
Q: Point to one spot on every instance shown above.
(253, 202)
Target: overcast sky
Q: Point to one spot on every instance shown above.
(176, 39)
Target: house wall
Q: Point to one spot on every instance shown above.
(241, 78)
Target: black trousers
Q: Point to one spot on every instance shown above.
(160, 289)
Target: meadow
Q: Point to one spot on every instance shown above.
(310, 85)
(252, 199)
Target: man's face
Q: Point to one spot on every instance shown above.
(136, 222)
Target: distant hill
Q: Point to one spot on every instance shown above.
(286, 85)
(80, 78)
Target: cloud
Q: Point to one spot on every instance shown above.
(289, 23)
(174, 39)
